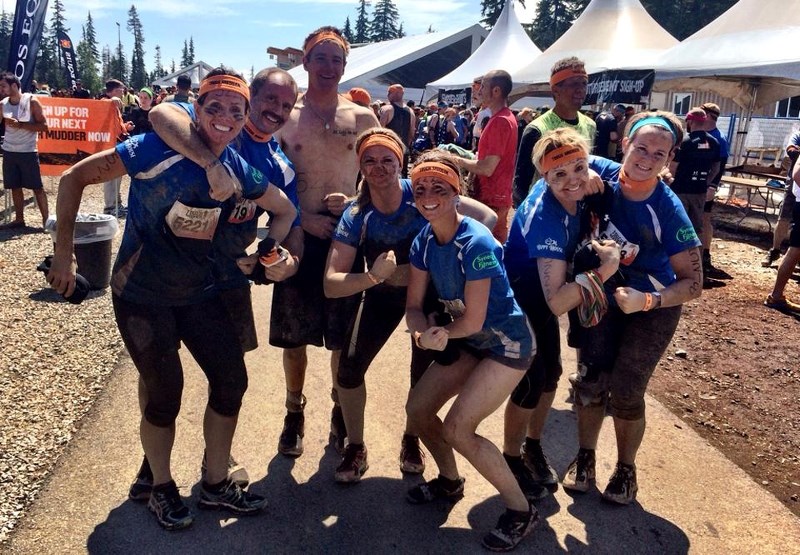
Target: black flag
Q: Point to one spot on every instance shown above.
(68, 56)
(28, 24)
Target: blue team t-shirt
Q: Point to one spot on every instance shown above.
(474, 254)
(378, 233)
(165, 257)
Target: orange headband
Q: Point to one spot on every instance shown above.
(560, 156)
(324, 35)
(439, 171)
(381, 140)
(225, 83)
(565, 74)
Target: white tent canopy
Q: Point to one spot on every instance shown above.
(609, 34)
(412, 61)
(197, 71)
(751, 47)
(507, 47)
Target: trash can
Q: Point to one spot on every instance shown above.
(93, 235)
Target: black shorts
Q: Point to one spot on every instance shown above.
(787, 207)
(619, 356)
(239, 304)
(301, 314)
(794, 234)
(21, 170)
(378, 315)
(545, 370)
(152, 335)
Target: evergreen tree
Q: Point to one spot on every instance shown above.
(553, 18)
(347, 31)
(185, 55)
(362, 23)
(682, 18)
(105, 59)
(385, 21)
(172, 66)
(6, 27)
(54, 75)
(400, 31)
(159, 70)
(191, 50)
(89, 57)
(138, 71)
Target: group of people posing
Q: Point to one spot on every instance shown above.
(607, 242)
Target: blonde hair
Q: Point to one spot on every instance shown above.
(363, 197)
(563, 136)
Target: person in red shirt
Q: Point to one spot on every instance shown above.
(497, 150)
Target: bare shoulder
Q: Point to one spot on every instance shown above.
(365, 117)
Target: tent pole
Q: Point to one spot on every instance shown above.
(741, 136)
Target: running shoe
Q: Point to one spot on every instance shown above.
(236, 472)
(772, 256)
(143, 484)
(338, 429)
(353, 466)
(530, 487)
(165, 502)
(412, 459)
(622, 486)
(540, 469)
(291, 440)
(511, 528)
(438, 488)
(231, 497)
(782, 304)
(581, 472)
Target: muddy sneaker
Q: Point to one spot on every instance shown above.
(530, 487)
(541, 471)
(622, 486)
(291, 440)
(236, 472)
(772, 256)
(511, 528)
(438, 488)
(338, 429)
(581, 473)
(143, 484)
(353, 466)
(165, 502)
(782, 304)
(412, 459)
(230, 496)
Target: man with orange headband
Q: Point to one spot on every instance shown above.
(400, 119)
(568, 83)
(162, 286)
(319, 138)
(494, 166)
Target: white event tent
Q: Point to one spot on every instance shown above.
(197, 72)
(609, 35)
(507, 47)
(412, 61)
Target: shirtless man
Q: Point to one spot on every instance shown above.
(319, 138)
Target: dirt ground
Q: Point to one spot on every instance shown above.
(732, 370)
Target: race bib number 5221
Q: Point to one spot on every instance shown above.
(193, 223)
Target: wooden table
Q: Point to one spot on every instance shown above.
(758, 153)
(755, 188)
(766, 172)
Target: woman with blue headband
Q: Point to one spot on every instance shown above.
(661, 266)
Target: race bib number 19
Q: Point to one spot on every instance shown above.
(193, 223)
(244, 211)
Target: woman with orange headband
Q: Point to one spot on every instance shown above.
(661, 264)
(542, 241)
(490, 337)
(380, 226)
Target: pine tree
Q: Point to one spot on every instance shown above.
(138, 71)
(172, 66)
(385, 21)
(6, 28)
(53, 74)
(400, 31)
(46, 67)
(362, 23)
(682, 18)
(159, 70)
(191, 50)
(553, 18)
(89, 57)
(185, 55)
(105, 59)
(347, 31)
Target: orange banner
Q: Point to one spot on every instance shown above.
(77, 128)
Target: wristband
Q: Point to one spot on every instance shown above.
(648, 302)
(374, 279)
(212, 165)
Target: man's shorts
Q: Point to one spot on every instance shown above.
(794, 234)
(694, 204)
(301, 314)
(239, 304)
(787, 207)
(21, 170)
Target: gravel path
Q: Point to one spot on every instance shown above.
(55, 358)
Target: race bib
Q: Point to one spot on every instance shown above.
(193, 223)
(244, 211)
(628, 251)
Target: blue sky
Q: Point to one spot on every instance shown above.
(238, 32)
